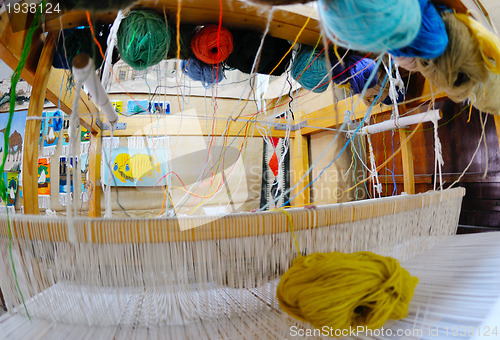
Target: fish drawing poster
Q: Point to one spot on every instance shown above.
(44, 176)
(137, 106)
(117, 105)
(135, 167)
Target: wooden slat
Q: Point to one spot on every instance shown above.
(300, 165)
(187, 125)
(285, 24)
(407, 156)
(30, 153)
(94, 181)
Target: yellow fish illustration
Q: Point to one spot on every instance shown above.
(136, 167)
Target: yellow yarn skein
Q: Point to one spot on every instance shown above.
(489, 45)
(346, 290)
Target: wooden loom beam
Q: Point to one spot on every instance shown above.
(407, 157)
(300, 165)
(30, 153)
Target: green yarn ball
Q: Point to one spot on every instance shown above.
(143, 39)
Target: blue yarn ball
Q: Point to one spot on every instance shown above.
(199, 71)
(371, 25)
(431, 40)
(360, 72)
(309, 69)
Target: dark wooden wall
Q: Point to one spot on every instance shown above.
(459, 139)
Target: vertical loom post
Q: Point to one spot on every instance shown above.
(300, 165)
(497, 127)
(407, 156)
(30, 153)
(95, 175)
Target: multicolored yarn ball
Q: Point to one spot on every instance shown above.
(205, 73)
(431, 40)
(371, 25)
(185, 34)
(246, 48)
(212, 44)
(143, 39)
(309, 69)
(344, 291)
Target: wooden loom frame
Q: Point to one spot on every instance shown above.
(46, 84)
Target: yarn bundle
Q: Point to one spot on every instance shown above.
(207, 74)
(212, 44)
(340, 290)
(246, 48)
(431, 39)
(309, 69)
(185, 34)
(461, 68)
(368, 25)
(143, 39)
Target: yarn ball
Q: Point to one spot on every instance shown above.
(407, 63)
(246, 46)
(461, 67)
(143, 39)
(346, 290)
(360, 70)
(309, 69)
(211, 46)
(79, 40)
(431, 40)
(92, 5)
(371, 25)
(279, 2)
(199, 71)
(185, 34)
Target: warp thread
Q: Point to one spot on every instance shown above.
(346, 290)
(431, 40)
(367, 25)
(212, 46)
(205, 73)
(185, 34)
(143, 39)
(246, 46)
(79, 40)
(93, 5)
(461, 67)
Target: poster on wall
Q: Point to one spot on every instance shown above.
(44, 183)
(84, 170)
(137, 106)
(53, 124)
(117, 105)
(159, 107)
(11, 179)
(16, 136)
(65, 174)
(135, 167)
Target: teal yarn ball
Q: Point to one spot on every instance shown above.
(143, 39)
(371, 25)
(309, 69)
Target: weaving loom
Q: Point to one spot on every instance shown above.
(215, 277)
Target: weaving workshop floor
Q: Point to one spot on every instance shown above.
(458, 288)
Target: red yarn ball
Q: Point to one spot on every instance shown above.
(204, 44)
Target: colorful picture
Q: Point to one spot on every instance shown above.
(85, 135)
(16, 136)
(66, 167)
(53, 125)
(136, 167)
(117, 105)
(84, 168)
(44, 176)
(12, 181)
(137, 106)
(158, 107)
